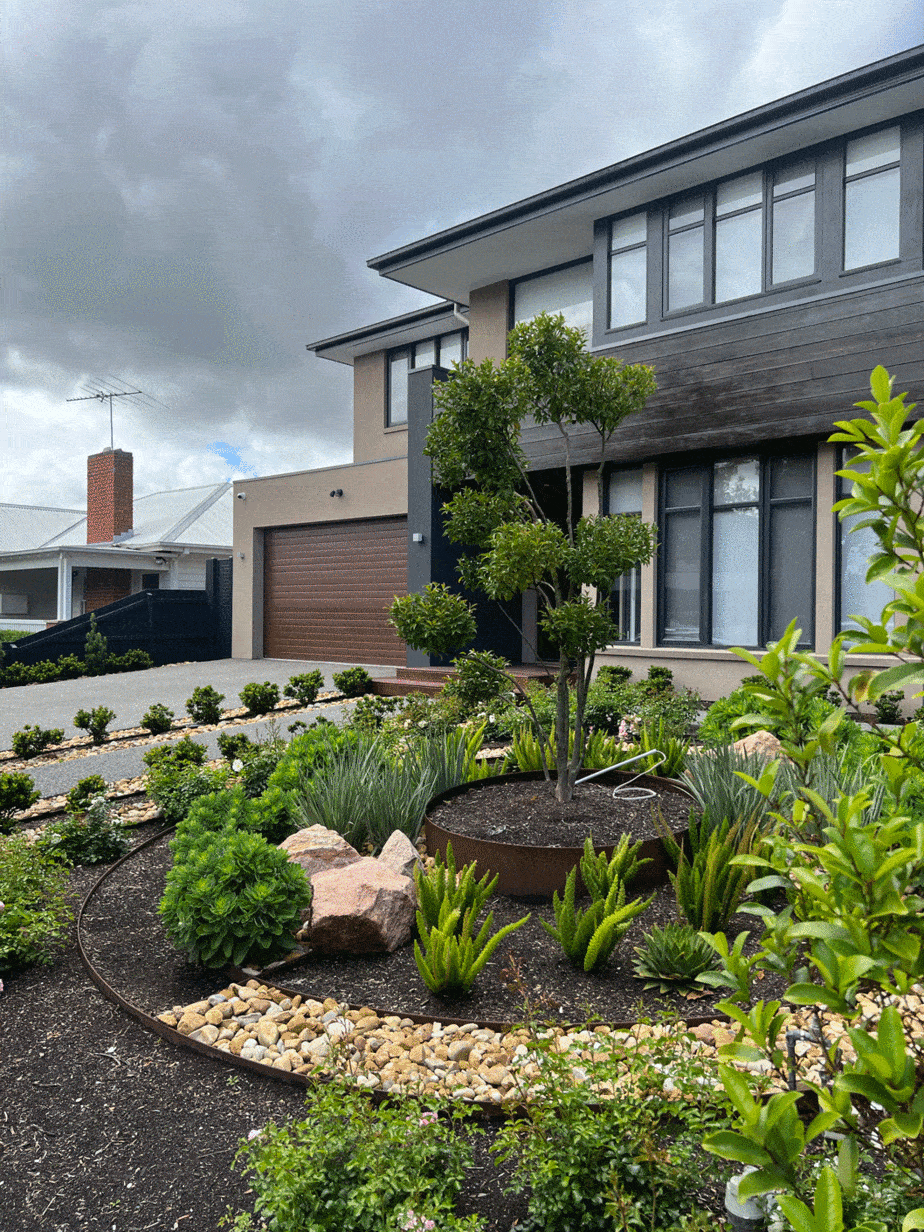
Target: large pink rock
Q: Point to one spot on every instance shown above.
(317, 848)
(762, 742)
(362, 908)
(400, 854)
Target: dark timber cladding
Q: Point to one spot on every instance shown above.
(789, 371)
(327, 588)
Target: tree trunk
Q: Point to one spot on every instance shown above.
(564, 786)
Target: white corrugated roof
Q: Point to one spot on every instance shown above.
(30, 526)
(190, 516)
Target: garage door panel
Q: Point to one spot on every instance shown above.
(327, 589)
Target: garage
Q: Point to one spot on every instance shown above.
(327, 588)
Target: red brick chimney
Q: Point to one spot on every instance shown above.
(109, 495)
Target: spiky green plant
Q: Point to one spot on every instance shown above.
(708, 887)
(599, 873)
(672, 958)
(452, 958)
(442, 889)
(589, 936)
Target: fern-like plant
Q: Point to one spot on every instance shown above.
(600, 873)
(708, 887)
(442, 889)
(672, 958)
(589, 936)
(451, 958)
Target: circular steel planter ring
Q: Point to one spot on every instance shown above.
(537, 872)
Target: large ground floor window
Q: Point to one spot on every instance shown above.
(737, 550)
(855, 545)
(624, 495)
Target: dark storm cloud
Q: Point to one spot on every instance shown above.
(192, 191)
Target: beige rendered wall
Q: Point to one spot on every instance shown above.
(488, 322)
(371, 439)
(370, 489)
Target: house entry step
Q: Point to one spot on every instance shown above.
(429, 680)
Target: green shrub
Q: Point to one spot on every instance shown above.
(259, 698)
(94, 722)
(130, 661)
(32, 740)
(16, 674)
(672, 958)
(260, 762)
(205, 704)
(888, 706)
(158, 718)
(451, 958)
(36, 914)
(12, 635)
(306, 687)
(352, 1160)
(371, 712)
(175, 790)
(78, 798)
(621, 1163)
(90, 838)
(660, 679)
(441, 889)
(234, 746)
(179, 755)
(307, 752)
(353, 681)
(231, 809)
(17, 793)
(480, 678)
(95, 650)
(234, 898)
(614, 673)
(69, 667)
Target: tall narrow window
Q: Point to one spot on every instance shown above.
(625, 496)
(793, 240)
(628, 270)
(737, 551)
(685, 248)
(871, 199)
(739, 237)
(398, 367)
(856, 596)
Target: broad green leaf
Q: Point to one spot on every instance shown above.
(734, 1146)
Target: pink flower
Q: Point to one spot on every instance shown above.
(428, 1118)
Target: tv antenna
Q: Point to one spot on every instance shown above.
(101, 396)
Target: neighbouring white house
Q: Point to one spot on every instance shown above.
(60, 563)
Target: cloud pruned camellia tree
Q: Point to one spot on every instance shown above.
(510, 543)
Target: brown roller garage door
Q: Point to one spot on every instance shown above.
(327, 588)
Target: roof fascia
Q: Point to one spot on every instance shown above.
(395, 331)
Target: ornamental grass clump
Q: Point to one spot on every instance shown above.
(234, 897)
(589, 936)
(673, 957)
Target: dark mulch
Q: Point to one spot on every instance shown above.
(106, 1126)
(527, 813)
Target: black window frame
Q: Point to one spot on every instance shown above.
(704, 465)
(409, 350)
(829, 276)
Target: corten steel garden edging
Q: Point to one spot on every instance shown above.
(525, 871)
(153, 1025)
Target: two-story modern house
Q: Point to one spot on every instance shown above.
(762, 266)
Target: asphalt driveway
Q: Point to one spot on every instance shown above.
(130, 694)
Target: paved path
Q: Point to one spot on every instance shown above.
(129, 694)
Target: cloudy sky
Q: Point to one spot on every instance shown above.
(191, 191)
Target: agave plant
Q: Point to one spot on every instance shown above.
(673, 958)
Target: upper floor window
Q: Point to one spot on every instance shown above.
(871, 199)
(442, 351)
(568, 290)
(628, 270)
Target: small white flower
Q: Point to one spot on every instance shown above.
(237, 765)
(254, 1133)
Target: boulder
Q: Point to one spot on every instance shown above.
(400, 854)
(762, 742)
(362, 908)
(317, 848)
